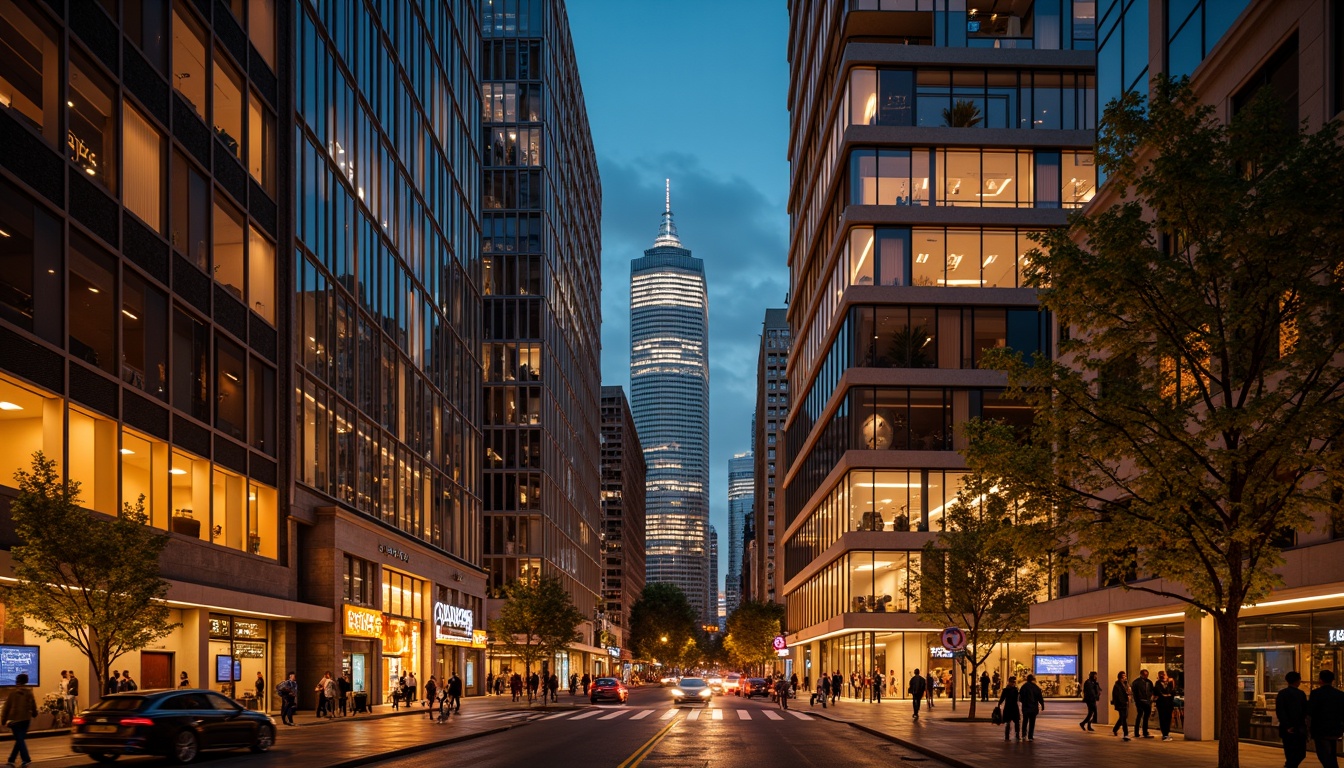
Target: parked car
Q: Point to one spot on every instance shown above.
(692, 689)
(755, 686)
(608, 689)
(176, 723)
(732, 683)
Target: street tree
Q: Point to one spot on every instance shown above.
(86, 579)
(1197, 402)
(663, 625)
(751, 631)
(537, 620)
(980, 573)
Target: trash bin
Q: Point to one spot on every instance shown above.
(361, 702)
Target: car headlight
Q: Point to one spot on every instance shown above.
(677, 692)
(706, 693)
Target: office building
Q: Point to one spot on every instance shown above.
(540, 254)
(772, 409)
(669, 394)
(741, 492)
(927, 141)
(623, 511)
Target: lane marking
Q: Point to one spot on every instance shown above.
(694, 715)
(582, 715)
(513, 715)
(613, 715)
(772, 714)
(557, 714)
(635, 759)
(668, 714)
(718, 714)
(642, 715)
(743, 714)
(800, 715)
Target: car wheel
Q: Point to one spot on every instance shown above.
(105, 758)
(185, 747)
(265, 739)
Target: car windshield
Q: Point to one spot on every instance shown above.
(692, 682)
(606, 681)
(120, 704)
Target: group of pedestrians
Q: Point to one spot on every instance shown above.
(443, 700)
(1143, 693)
(921, 688)
(1319, 716)
(1018, 708)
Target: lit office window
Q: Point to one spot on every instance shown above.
(228, 105)
(91, 137)
(189, 55)
(142, 188)
(29, 67)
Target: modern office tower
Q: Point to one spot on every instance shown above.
(1231, 50)
(772, 410)
(386, 328)
(623, 510)
(669, 393)
(714, 591)
(741, 492)
(540, 254)
(927, 143)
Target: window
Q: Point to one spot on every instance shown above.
(142, 190)
(261, 402)
(261, 520)
(144, 336)
(230, 383)
(145, 23)
(228, 105)
(227, 250)
(144, 472)
(190, 232)
(261, 28)
(260, 143)
(30, 273)
(91, 137)
(91, 299)
(189, 75)
(29, 66)
(190, 381)
(93, 459)
(356, 578)
(261, 274)
(30, 421)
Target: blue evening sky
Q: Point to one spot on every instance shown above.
(693, 90)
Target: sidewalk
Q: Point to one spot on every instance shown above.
(349, 741)
(1059, 740)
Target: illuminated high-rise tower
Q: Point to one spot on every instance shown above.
(669, 388)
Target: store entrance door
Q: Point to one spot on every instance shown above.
(156, 670)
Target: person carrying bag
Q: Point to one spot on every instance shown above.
(18, 712)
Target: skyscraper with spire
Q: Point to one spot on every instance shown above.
(669, 394)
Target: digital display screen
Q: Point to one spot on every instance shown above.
(228, 669)
(19, 659)
(1056, 665)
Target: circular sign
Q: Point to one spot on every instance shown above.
(954, 639)
(779, 643)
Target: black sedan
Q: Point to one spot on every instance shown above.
(755, 686)
(177, 723)
(608, 689)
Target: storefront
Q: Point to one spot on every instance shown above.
(457, 642)
(238, 658)
(1268, 648)
(362, 627)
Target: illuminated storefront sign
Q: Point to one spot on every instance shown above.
(453, 624)
(479, 638)
(362, 622)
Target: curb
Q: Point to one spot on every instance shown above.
(923, 750)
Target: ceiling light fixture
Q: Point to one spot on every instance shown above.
(127, 452)
(176, 471)
(5, 405)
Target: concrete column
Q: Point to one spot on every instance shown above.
(1111, 652)
(1201, 674)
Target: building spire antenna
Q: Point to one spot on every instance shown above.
(668, 207)
(667, 230)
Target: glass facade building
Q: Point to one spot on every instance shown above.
(929, 141)
(669, 394)
(741, 495)
(772, 410)
(623, 509)
(541, 261)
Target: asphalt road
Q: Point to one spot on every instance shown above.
(648, 732)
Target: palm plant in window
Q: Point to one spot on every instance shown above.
(911, 348)
(963, 114)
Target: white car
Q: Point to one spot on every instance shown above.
(692, 690)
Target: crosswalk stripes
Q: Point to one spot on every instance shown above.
(668, 714)
(642, 715)
(717, 714)
(800, 715)
(588, 713)
(743, 714)
(624, 713)
(694, 715)
(772, 714)
(557, 714)
(613, 715)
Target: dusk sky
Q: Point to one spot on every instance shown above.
(694, 91)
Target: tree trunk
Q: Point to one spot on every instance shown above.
(1228, 742)
(971, 687)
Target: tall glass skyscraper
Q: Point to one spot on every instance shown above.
(741, 505)
(669, 388)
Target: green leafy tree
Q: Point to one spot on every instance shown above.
(751, 631)
(537, 620)
(85, 579)
(712, 652)
(981, 573)
(1196, 407)
(663, 626)
(963, 114)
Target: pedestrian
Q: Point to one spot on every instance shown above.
(455, 694)
(837, 682)
(1091, 695)
(807, 683)
(259, 686)
(62, 688)
(1290, 709)
(113, 684)
(928, 690)
(127, 684)
(18, 712)
(1142, 691)
(329, 691)
(72, 693)
(984, 686)
(516, 686)
(574, 684)
(1033, 702)
(952, 688)
(994, 684)
(431, 693)
(1325, 709)
(345, 687)
(824, 688)
(1008, 705)
(1120, 700)
(499, 685)
(586, 681)
(877, 686)
(183, 681)
(289, 698)
(490, 683)
(533, 685)
(1164, 693)
(782, 691)
(916, 690)
(893, 685)
(793, 683)
(554, 685)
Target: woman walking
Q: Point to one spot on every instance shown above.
(1012, 718)
(1165, 692)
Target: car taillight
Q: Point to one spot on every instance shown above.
(127, 722)
(77, 721)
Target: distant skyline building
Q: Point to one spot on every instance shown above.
(717, 593)
(741, 498)
(772, 408)
(669, 394)
(623, 508)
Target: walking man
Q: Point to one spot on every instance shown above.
(916, 691)
(18, 712)
(72, 694)
(1120, 700)
(455, 694)
(113, 684)
(1164, 693)
(1142, 690)
(289, 694)
(1012, 716)
(837, 682)
(877, 686)
(346, 689)
(928, 689)
(1091, 695)
(984, 686)
(259, 686)
(1033, 701)
(1326, 710)
(1290, 707)
(431, 693)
